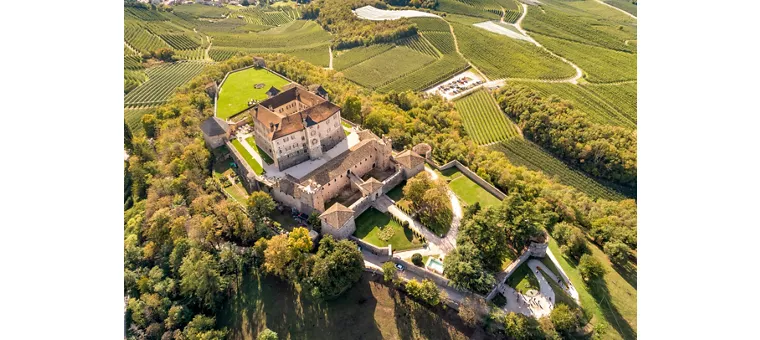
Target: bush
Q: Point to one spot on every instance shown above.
(590, 268)
(417, 260)
(565, 319)
(267, 334)
(617, 251)
(426, 291)
(389, 271)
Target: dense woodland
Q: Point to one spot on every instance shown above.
(187, 246)
(603, 151)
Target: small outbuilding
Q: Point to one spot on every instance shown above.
(216, 132)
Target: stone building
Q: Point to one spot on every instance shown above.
(338, 221)
(215, 132)
(296, 125)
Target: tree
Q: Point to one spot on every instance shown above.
(417, 259)
(390, 271)
(202, 328)
(617, 251)
(486, 231)
(178, 317)
(163, 54)
(590, 268)
(314, 221)
(149, 124)
(416, 187)
(518, 326)
(565, 319)
(465, 270)
(571, 238)
(267, 334)
(352, 108)
(299, 241)
(127, 137)
(426, 291)
(260, 205)
(473, 310)
(277, 255)
(200, 277)
(336, 268)
(245, 3)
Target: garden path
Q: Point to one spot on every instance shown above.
(435, 242)
(456, 209)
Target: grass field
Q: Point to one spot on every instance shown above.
(248, 157)
(261, 152)
(236, 191)
(368, 310)
(238, 89)
(162, 81)
(368, 228)
(500, 57)
(604, 104)
(521, 152)
(612, 301)
(467, 190)
(483, 120)
(600, 65)
(386, 67)
(523, 279)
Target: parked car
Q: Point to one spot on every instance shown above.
(399, 267)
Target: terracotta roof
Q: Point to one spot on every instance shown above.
(280, 125)
(337, 215)
(371, 185)
(409, 159)
(214, 126)
(341, 163)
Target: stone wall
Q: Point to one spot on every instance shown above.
(510, 269)
(379, 251)
(286, 162)
(439, 280)
(248, 177)
(471, 175)
(360, 206)
(346, 230)
(392, 181)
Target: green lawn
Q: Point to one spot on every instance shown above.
(522, 279)
(470, 192)
(612, 301)
(261, 152)
(369, 310)
(550, 266)
(368, 227)
(238, 89)
(560, 296)
(397, 193)
(248, 157)
(238, 193)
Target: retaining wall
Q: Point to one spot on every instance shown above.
(372, 248)
(247, 176)
(391, 182)
(471, 175)
(439, 280)
(360, 206)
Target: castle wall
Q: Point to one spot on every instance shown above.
(344, 231)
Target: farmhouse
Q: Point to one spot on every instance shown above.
(296, 125)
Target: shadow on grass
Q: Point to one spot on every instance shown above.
(628, 272)
(415, 320)
(598, 289)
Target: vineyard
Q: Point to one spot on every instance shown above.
(142, 40)
(483, 120)
(386, 67)
(133, 117)
(201, 11)
(473, 8)
(162, 81)
(429, 75)
(498, 57)
(601, 65)
(524, 153)
(600, 103)
(585, 22)
(430, 24)
(296, 34)
(442, 41)
(625, 5)
(142, 14)
(133, 79)
(347, 58)
(317, 55)
(180, 41)
(418, 44)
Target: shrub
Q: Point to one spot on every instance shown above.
(417, 260)
(590, 268)
(617, 251)
(426, 291)
(565, 319)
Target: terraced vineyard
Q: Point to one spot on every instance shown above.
(317, 55)
(529, 155)
(499, 57)
(387, 67)
(473, 8)
(600, 102)
(162, 81)
(347, 58)
(201, 11)
(483, 120)
(429, 75)
(142, 40)
(418, 44)
(601, 65)
(442, 41)
(296, 34)
(430, 24)
(142, 14)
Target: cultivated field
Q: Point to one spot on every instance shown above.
(429, 75)
(601, 65)
(442, 41)
(500, 57)
(386, 67)
(133, 117)
(419, 44)
(347, 58)
(605, 104)
(430, 24)
(474, 8)
(238, 89)
(531, 156)
(162, 81)
(483, 120)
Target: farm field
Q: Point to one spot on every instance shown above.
(467, 190)
(419, 44)
(442, 41)
(201, 11)
(625, 5)
(369, 226)
(133, 117)
(429, 75)
(430, 24)
(386, 67)
(248, 157)
(347, 58)
(600, 65)
(318, 55)
(612, 301)
(238, 89)
(296, 34)
(162, 81)
(483, 120)
(604, 104)
(368, 310)
(500, 57)
(524, 153)
(474, 8)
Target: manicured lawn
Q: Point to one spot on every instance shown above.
(264, 156)
(238, 89)
(612, 301)
(368, 227)
(522, 279)
(470, 192)
(397, 193)
(345, 125)
(369, 310)
(248, 157)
